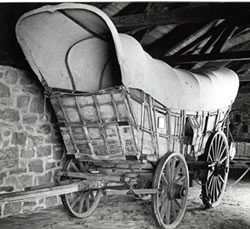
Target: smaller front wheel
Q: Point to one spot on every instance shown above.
(171, 178)
(80, 204)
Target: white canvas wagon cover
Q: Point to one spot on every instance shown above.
(76, 46)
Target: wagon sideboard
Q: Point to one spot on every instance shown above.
(122, 123)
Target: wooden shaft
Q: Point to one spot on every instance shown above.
(50, 190)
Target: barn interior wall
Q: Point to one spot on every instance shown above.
(30, 144)
(240, 124)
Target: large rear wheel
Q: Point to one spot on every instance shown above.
(217, 154)
(171, 178)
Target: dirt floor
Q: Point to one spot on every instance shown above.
(122, 212)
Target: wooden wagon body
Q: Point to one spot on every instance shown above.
(129, 122)
(120, 124)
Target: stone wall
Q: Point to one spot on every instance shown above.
(31, 147)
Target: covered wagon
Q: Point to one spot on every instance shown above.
(129, 122)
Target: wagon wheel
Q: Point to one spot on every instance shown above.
(80, 204)
(214, 185)
(171, 178)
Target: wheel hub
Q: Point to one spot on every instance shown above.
(219, 169)
(180, 191)
(176, 191)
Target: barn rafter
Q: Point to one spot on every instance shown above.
(167, 30)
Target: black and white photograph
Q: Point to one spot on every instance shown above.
(125, 115)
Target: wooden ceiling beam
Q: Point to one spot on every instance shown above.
(212, 57)
(161, 46)
(244, 78)
(183, 16)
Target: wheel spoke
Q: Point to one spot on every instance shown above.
(223, 150)
(209, 174)
(218, 187)
(164, 180)
(209, 156)
(76, 199)
(223, 159)
(218, 153)
(179, 205)
(162, 198)
(215, 189)
(173, 210)
(216, 146)
(211, 190)
(80, 206)
(179, 179)
(221, 179)
(164, 204)
(177, 170)
(173, 168)
(217, 142)
(87, 202)
(167, 213)
(169, 173)
(211, 152)
(92, 195)
(209, 183)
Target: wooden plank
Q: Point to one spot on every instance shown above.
(50, 190)
(111, 192)
(223, 39)
(244, 78)
(213, 57)
(172, 39)
(89, 176)
(85, 129)
(195, 38)
(97, 108)
(122, 144)
(182, 16)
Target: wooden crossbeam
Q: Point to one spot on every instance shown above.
(183, 16)
(244, 78)
(159, 48)
(212, 57)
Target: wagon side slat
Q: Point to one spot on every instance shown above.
(100, 121)
(133, 122)
(154, 125)
(117, 121)
(69, 129)
(85, 129)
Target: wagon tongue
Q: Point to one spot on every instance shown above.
(70, 46)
